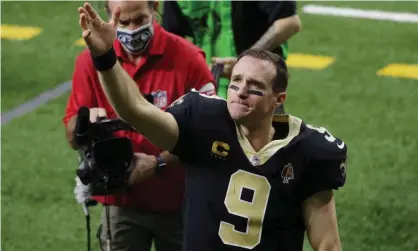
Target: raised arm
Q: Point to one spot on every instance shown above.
(159, 127)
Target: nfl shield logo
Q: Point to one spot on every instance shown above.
(255, 161)
(160, 98)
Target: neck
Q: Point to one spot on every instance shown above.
(259, 135)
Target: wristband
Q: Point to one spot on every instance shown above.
(161, 164)
(105, 61)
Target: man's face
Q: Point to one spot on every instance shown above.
(134, 14)
(250, 94)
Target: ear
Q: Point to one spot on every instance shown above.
(280, 98)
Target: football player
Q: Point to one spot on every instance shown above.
(254, 180)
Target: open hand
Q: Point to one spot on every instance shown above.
(97, 34)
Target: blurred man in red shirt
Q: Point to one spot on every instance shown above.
(165, 67)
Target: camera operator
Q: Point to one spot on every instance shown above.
(165, 67)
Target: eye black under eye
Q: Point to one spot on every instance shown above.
(233, 87)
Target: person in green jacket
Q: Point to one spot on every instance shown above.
(224, 29)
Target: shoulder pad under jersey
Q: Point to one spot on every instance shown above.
(319, 143)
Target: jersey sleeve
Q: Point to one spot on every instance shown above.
(277, 9)
(326, 164)
(200, 77)
(185, 111)
(82, 92)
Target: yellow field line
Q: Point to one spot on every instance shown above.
(15, 32)
(80, 42)
(399, 71)
(308, 61)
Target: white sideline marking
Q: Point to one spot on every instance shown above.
(359, 13)
(36, 102)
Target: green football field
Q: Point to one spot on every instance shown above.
(376, 115)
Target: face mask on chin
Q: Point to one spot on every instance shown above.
(137, 40)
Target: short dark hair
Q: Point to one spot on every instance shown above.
(106, 5)
(280, 82)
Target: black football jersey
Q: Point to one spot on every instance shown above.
(240, 199)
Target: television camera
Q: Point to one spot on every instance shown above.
(107, 159)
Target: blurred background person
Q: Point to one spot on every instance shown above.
(150, 211)
(224, 29)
